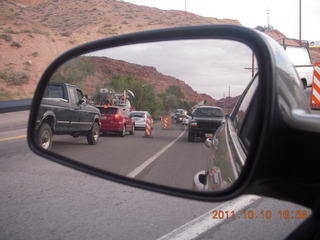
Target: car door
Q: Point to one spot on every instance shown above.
(62, 108)
(231, 142)
(127, 119)
(75, 112)
(241, 127)
(130, 120)
(86, 115)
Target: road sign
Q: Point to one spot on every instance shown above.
(315, 44)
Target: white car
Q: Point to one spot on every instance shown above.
(300, 57)
(140, 118)
(185, 120)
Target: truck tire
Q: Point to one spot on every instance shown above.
(123, 131)
(132, 131)
(44, 136)
(93, 134)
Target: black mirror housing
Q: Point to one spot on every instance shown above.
(279, 112)
(255, 40)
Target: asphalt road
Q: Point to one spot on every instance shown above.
(176, 165)
(43, 200)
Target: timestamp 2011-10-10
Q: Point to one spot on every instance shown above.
(265, 214)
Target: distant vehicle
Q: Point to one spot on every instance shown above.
(185, 120)
(179, 115)
(205, 121)
(108, 97)
(116, 119)
(140, 118)
(64, 110)
(298, 52)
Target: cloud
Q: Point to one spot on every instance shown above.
(208, 66)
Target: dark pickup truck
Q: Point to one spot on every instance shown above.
(205, 122)
(64, 110)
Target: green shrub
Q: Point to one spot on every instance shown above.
(14, 78)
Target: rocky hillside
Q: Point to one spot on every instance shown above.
(144, 73)
(34, 32)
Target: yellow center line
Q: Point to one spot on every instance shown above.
(11, 138)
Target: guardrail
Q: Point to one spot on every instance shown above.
(15, 106)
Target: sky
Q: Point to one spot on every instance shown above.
(202, 64)
(283, 14)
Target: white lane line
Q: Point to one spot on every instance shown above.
(139, 169)
(205, 222)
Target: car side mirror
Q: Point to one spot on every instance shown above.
(157, 95)
(176, 59)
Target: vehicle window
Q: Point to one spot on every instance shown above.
(244, 120)
(54, 91)
(137, 115)
(298, 55)
(79, 94)
(216, 113)
(208, 112)
(108, 110)
(72, 95)
(244, 106)
(201, 112)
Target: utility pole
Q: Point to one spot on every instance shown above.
(268, 13)
(224, 101)
(185, 5)
(229, 102)
(141, 94)
(300, 21)
(252, 68)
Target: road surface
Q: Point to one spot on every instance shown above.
(40, 199)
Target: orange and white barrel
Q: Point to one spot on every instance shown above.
(315, 92)
(148, 127)
(165, 123)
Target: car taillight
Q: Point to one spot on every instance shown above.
(193, 124)
(117, 116)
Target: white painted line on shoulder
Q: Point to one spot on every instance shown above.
(140, 168)
(196, 227)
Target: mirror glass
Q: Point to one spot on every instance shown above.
(145, 111)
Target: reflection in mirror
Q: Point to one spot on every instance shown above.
(145, 110)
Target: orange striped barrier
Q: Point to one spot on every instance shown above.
(165, 123)
(315, 92)
(148, 127)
